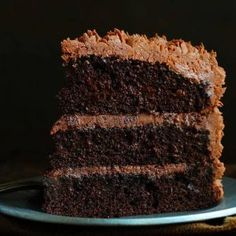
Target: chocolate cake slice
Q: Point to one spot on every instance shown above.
(140, 130)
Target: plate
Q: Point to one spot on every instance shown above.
(22, 199)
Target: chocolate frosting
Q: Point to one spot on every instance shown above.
(151, 170)
(198, 120)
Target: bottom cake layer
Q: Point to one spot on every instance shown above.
(131, 190)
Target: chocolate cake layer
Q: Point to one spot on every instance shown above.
(121, 73)
(136, 140)
(130, 146)
(109, 85)
(123, 191)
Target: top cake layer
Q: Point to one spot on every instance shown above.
(121, 74)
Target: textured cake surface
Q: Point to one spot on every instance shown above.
(140, 130)
(110, 85)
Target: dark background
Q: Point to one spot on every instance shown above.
(31, 72)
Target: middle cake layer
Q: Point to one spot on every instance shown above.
(136, 140)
